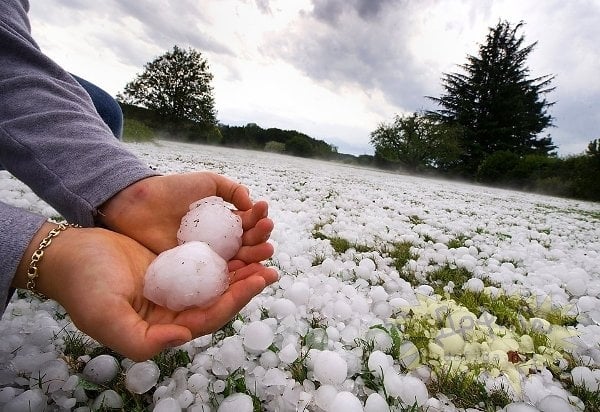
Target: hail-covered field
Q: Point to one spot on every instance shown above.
(396, 293)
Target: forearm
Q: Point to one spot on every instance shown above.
(17, 230)
(51, 137)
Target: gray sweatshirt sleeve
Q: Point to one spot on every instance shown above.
(52, 139)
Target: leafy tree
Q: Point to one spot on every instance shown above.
(299, 145)
(416, 142)
(495, 102)
(176, 85)
(593, 148)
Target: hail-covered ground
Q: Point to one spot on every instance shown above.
(396, 293)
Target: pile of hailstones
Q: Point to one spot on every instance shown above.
(193, 274)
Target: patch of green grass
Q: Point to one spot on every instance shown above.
(298, 368)
(170, 359)
(457, 242)
(236, 383)
(417, 331)
(591, 399)
(465, 390)
(440, 277)
(401, 254)
(136, 131)
(76, 343)
(341, 245)
(415, 220)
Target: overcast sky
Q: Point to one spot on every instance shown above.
(333, 69)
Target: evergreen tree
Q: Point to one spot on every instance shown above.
(495, 102)
(177, 86)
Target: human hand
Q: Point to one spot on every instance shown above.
(97, 276)
(150, 211)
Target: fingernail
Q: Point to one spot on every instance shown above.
(175, 343)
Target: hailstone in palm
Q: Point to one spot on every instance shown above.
(189, 275)
(195, 273)
(210, 220)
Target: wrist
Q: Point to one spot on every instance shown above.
(39, 264)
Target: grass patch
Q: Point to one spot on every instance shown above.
(465, 390)
(136, 131)
(440, 277)
(457, 242)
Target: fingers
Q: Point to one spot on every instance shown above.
(232, 192)
(250, 218)
(203, 321)
(255, 253)
(123, 330)
(259, 233)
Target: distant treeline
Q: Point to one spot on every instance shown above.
(144, 124)
(573, 176)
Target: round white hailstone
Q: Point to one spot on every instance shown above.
(576, 286)
(32, 400)
(8, 393)
(274, 377)
(376, 403)
(299, 293)
(190, 275)
(520, 407)
(210, 220)
(231, 354)
(587, 303)
(379, 362)
(257, 336)
(381, 339)
(392, 382)
(108, 399)
(101, 369)
(167, 405)
(583, 376)
(474, 285)
(238, 402)
(288, 354)
(324, 396)
(269, 359)
(349, 334)
(413, 390)
(330, 368)
(347, 402)
(141, 377)
(197, 382)
(378, 294)
(54, 374)
(554, 403)
(282, 308)
(342, 310)
(185, 399)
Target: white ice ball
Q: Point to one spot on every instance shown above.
(330, 368)
(141, 377)
(189, 275)
(210, 220)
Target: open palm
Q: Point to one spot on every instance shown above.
(102, 291)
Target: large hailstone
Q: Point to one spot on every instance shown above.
(189, 275)
(210, 220)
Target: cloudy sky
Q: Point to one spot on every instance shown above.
(333, 69)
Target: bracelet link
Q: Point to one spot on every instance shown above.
(33, 270)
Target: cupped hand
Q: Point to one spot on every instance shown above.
(151, 209)
(97, 276)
